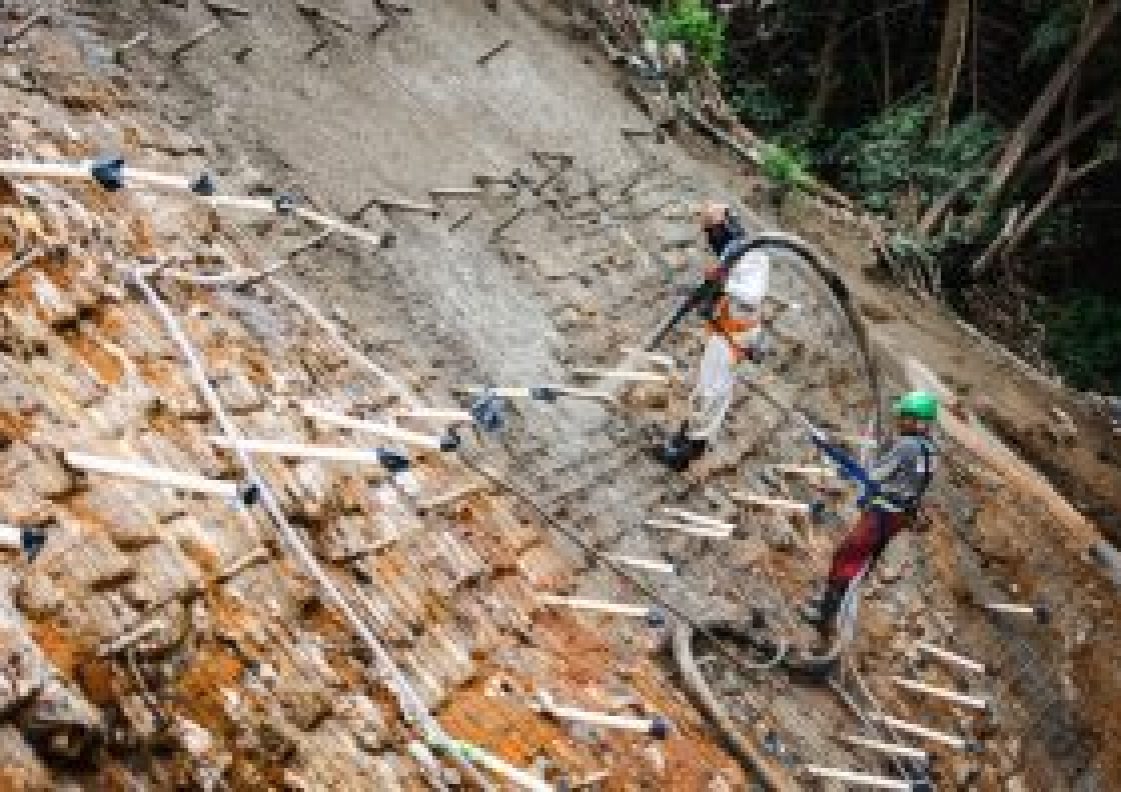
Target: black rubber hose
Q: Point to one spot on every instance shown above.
(817, 271)
(769, 772)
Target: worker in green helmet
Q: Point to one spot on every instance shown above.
(893, 487)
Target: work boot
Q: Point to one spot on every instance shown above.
(678, 456)
(822, 609)
(680, 450)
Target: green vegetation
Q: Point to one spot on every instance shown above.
(1084, 339)
(786, 168)
(760, 107)
(695, 24)
(1053, 34)
(986, 137)
(893, 153)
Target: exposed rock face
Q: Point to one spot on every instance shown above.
(161, 638)
(52, 714)
(165, 639)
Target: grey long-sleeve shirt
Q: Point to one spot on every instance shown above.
(904, 472)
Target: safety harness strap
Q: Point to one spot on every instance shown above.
(725, 325)
(871, 493)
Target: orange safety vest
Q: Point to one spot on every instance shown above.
(728, 326)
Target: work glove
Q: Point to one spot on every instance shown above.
(819, 437)
(752, 353)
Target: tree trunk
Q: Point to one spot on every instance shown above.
(826, 65)
(1063, 181)
(992, 252)
(885, 52)
(975, 33)
(1018, 229)
(938, 209)
(955, 35)
(1062, 143)
(1022, 137)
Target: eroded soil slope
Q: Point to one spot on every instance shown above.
(186, 642)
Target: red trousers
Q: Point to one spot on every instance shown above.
(863, 545)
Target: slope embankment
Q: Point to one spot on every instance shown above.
(538, 227)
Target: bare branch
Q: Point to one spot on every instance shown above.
(1014, 233)
(1069, 136)
(1022, 137)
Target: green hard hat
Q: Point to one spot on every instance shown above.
(920, 405)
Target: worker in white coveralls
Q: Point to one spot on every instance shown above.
(733, 322)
